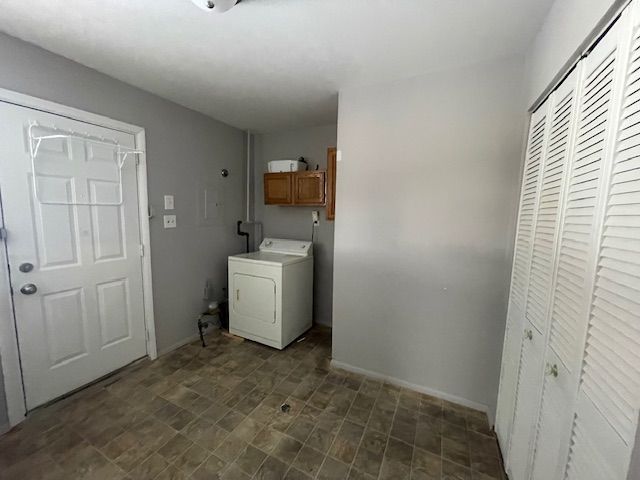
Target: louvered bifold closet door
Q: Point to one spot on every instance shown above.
(532, 343)
(554, 420)
(562, 114)
(606, 415)
(519, 276)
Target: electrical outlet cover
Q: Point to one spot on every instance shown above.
(169, 221)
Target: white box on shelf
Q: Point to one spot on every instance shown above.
(287, 166)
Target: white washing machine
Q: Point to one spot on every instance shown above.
(271, 292)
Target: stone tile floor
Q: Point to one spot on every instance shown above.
(215, 413)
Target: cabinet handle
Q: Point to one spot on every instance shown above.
(552, 370)
(528, 334)
(237, 295)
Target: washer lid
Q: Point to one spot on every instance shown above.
(299, 248)
(268, 258)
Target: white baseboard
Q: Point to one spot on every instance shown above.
(179, 344)
(412, 386)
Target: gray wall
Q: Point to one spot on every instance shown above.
(4, 419)
(182, 147)
(295, 222)
(568, 23)
(427, 200)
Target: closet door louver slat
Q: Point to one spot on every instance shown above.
(519, 276)
(609, 393)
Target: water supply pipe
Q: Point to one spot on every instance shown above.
(247, 219)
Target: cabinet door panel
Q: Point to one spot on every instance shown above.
(309, 188)
(278, 188)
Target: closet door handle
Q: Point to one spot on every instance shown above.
(28, 289)
(237, 294)
(528, 334)
(552, 370)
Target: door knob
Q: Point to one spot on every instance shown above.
(25, 267)
(28, 289)
(552, 370)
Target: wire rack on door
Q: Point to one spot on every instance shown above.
(121, 153)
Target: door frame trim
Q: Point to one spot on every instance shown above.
(9, 350)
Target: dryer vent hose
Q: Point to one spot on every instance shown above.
(242, 234)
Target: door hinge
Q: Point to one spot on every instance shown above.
(3, 233)
(141, 250)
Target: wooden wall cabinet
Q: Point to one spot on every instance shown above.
(295, 188)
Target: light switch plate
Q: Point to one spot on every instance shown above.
(168, 202)
(169, 221)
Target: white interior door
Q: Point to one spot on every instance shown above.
(511, 356)
(79, 310)
(574, 273)
(608, 399)
(529, 393)
(554, 417)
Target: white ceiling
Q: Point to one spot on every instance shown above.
(272, 64)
